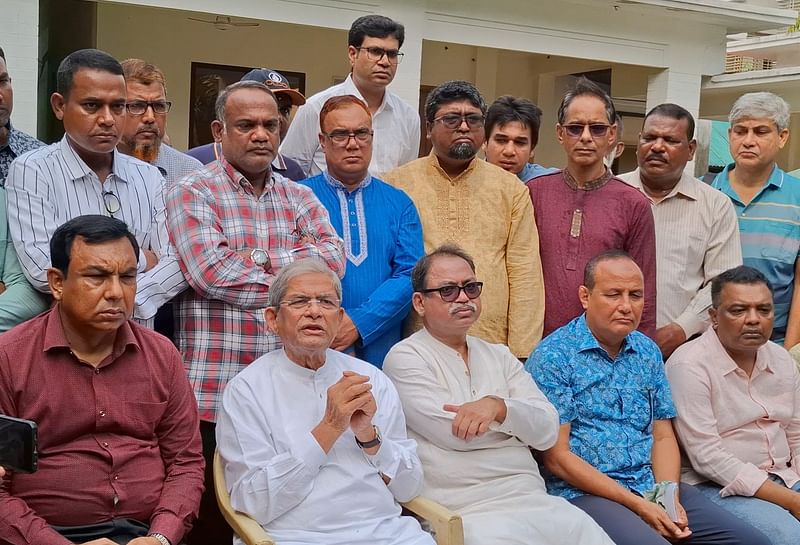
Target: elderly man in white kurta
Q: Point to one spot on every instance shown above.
(476, 413)
(313, 441)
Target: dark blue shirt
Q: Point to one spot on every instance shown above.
(610, 404)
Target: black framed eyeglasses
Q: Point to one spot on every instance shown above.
(377, 53)
(139, 107)
(342, 137)
(450, 293)
(595, 129)
(111, 202)
(301, 303)
(454, 121)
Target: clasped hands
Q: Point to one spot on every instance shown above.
(473, 418)
(350, 404)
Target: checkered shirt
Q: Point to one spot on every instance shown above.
(213, 214)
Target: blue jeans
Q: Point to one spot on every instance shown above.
(775, 521)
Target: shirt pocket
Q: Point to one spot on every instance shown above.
(144, 413)
(629, 407)
(782, 244)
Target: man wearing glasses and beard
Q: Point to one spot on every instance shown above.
(583, 210)
(146, 123)
(84, 173)
(466, 200)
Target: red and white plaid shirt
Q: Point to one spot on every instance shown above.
(212, 214)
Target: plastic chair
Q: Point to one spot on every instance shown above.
(447, 526)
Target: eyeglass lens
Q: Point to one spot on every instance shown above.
(111, 202)
(595, 129)
(452, 121)
(451, 293)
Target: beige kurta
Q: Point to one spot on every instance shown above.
(493, 480)
(488, 212)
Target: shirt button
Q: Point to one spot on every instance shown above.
(116, 477)
(102, 414)
(105, 444)
(97, 371)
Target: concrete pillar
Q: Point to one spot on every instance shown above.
(19, 28)
(412, 14)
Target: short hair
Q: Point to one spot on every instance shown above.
(93, 229)
(452, 91)
(308, 265)
(591, 266)
(737, 275)
(419, 274)
(2, 54)
(222, 99)
(508, 109)
(375, 26)
(338, 102)
(90, 59)
(585, 87)
(673, 111)
(620, 126)
(143, 72)
(761, 104)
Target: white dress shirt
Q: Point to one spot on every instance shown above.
(395, 124)
(278, 474)
(51, 185)
(697, 238)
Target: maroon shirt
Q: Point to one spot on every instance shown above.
(119, 441)
(614, 216)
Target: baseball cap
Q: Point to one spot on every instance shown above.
(277, 82)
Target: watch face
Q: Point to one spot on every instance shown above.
(259, 257)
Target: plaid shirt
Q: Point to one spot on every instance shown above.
(213, 214)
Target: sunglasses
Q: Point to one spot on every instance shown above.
(451, 293)
(454, 121)
(595, 129)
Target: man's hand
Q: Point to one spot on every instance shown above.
(144, 541)
(2, 288)
(658, 519)
(669, 337)
(472, 419)
(351, 393)
(152, 259)
(793, 507)
(2, 471)
(361, 420)
(347, 335)
(105, 541)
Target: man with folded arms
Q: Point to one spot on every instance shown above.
(119, 446)
(476, 414)
(738, 400)
(313, 441)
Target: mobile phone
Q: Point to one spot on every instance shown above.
(18, 444)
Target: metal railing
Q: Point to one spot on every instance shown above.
(738, 63)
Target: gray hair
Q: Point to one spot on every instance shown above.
(308, 265)
(222, 98)
(760, 105)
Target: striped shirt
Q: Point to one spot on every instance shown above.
(51, 185)
(697, 238)
(214, 214)
(770, 231)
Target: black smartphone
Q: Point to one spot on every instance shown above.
(18, 444)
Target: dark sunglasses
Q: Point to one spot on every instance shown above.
(451, 293)
(595, 129)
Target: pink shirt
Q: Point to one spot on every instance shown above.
(736, 429)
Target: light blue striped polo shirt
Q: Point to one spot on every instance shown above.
(770, 233)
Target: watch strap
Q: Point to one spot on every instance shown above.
(161, 538)
(369, 444)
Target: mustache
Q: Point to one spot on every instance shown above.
(461, 306)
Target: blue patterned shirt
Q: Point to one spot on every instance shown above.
(769, 226)
(18, 143)
(611, 404)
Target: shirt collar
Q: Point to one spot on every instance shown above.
(278, 163)
(350, 87)
(54, 336)
(238, 180)
(590, 185)
(339, 185)
(775, 178)
(433, 159)
(685, 186)
(726, 363)
(587, 340)
(77, 168)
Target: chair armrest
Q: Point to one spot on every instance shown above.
(248, 530)
(447, 525)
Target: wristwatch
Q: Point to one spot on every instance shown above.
(161, 538)
(374, 443)
(260, 258)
